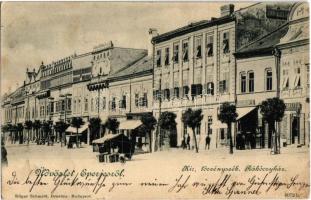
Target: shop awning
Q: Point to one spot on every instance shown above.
(71, 129)
(129, 124)
(218, 124)
(106, 138)
(243, 111)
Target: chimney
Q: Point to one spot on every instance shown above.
(226, 10)
(152, 33)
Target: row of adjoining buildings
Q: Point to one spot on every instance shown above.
(242, 57)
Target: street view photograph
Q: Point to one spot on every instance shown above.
(155, 100)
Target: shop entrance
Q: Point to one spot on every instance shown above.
(295, 131)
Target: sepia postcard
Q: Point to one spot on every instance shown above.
(155, 100)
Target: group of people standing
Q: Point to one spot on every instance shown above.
(185, 143)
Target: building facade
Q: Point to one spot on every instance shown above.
(194, 66)
(294, 77)
(242, 57)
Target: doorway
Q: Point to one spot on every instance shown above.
(295, 131)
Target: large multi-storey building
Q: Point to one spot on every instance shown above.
(194, 66)
(242, 57)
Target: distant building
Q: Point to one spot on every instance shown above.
(106, 61)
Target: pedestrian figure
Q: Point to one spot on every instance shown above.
(4, 159)
(188, 142)
(207, 141)
(183, 144)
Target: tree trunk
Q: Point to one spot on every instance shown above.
(156, 147)
(195, 141)
(230, 138)
(77, 138)
(150, 141)
(11, 137)
(28, 133)
(275, 140)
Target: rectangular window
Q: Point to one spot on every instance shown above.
(225, 43)
(209, 124)
(209, 46)
(297, 70)
(136, 100)
(52, 107)
(63, 105)
(210, 88)
(86, 105)
(123, 102)
(167, 56)
(185, 91)
(145, 100)
(156, 95)
(158, 58)
(69, 104)
(185, 51)
(243, 83)
(176, 92)
(297, 83)
(251, 83)
(198, 47)
(167, 94)
(176, 53)
(222, 86)
(285, 83)
(269, 79)
(113, 103)
(196, 90)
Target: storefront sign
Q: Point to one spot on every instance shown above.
(293, 106)
(248, 102)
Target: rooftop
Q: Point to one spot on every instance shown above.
(143, 65)
(265, 43)
(192, 27)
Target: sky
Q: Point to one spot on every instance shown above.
(32, 32)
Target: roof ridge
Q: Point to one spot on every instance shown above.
(129, 65)
(130, 48)
(248, 7)
(264, 36)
